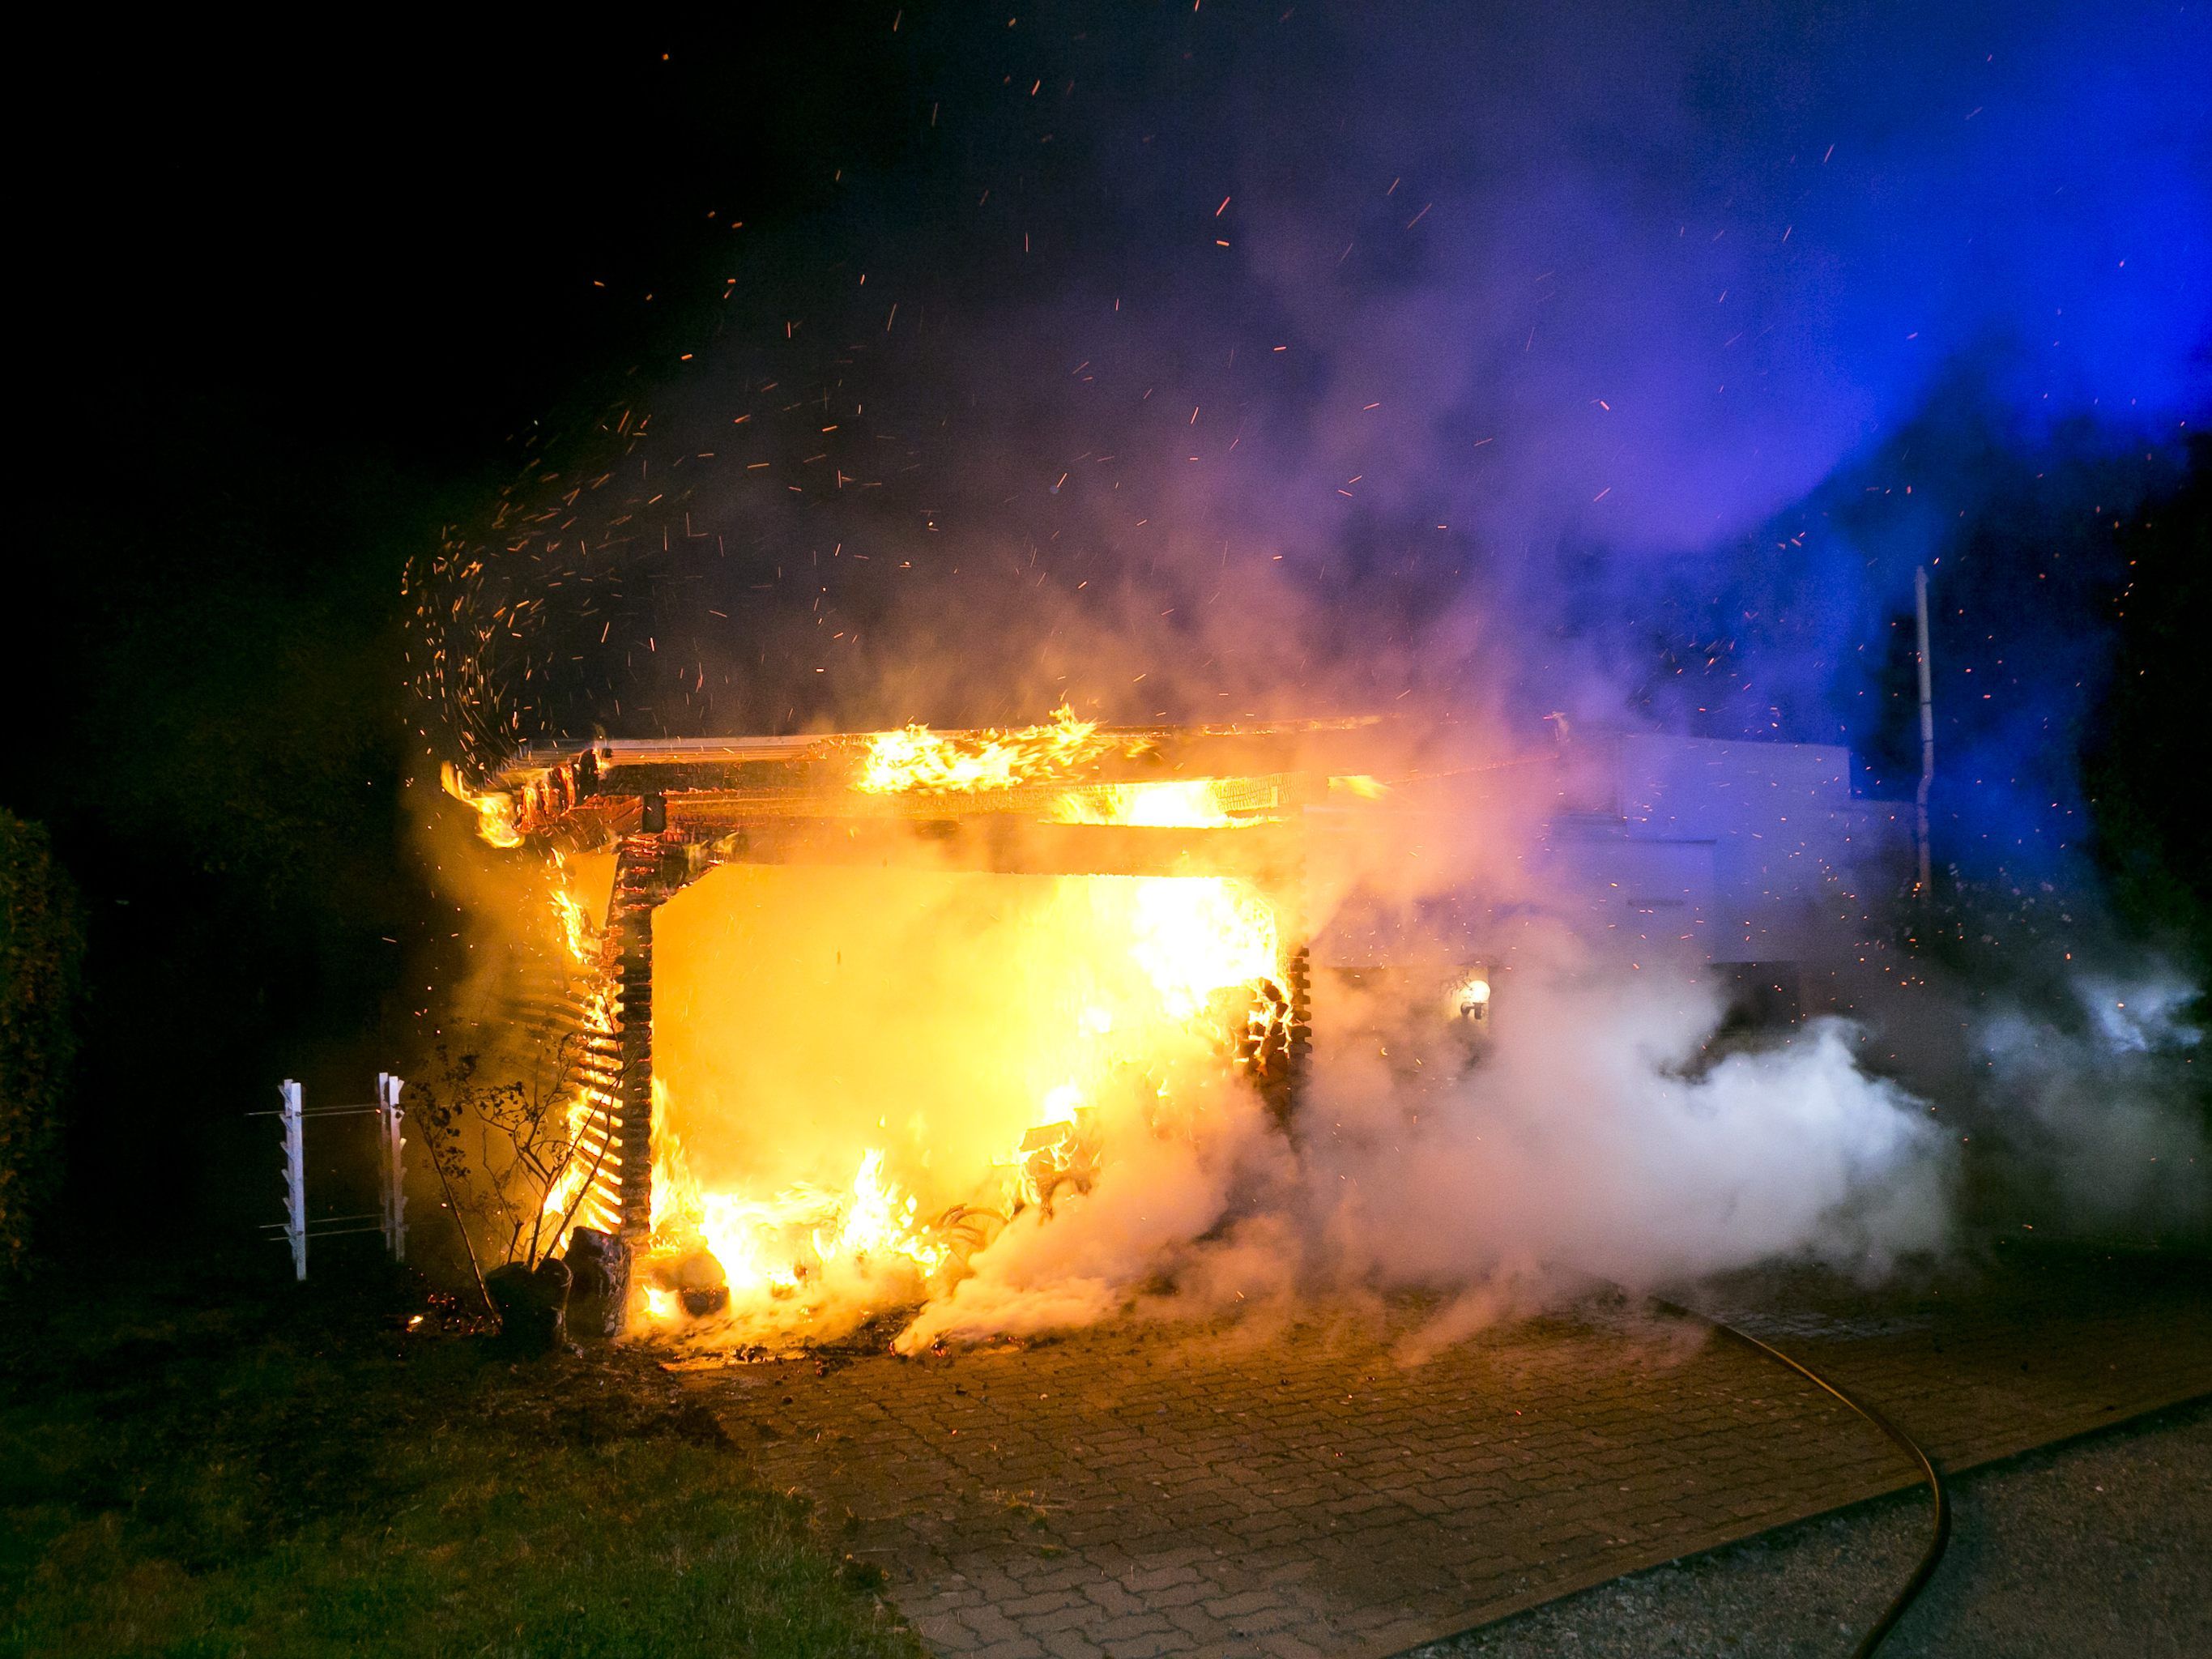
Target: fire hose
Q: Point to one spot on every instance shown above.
(1940, 1529)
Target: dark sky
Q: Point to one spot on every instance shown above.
(390, 240)
(1681, 291)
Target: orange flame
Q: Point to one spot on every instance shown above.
(593, 1158)
(1197, 936)
(1174, 804)
(780, 1258)
(1194, 970)
(495, 810)
(915, 759)
(579, 934)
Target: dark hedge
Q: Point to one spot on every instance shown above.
(41, 955)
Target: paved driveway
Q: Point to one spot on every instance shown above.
(1298, 1489)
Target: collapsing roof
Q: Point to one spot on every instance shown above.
(1070, 796)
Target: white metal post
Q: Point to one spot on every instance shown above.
(1927, 725)
(295, 1179)
(395, 1172)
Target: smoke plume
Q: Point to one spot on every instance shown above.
(1614, 364)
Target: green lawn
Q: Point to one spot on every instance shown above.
(221, 1464)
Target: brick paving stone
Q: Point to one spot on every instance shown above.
(1129, 1625)
(1140, 1490)
(944, 1633)
(990, 1624)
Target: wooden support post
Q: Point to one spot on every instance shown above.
(1286, 1062)
(637, 891)
(1299, 1048)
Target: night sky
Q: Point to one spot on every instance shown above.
(1176, 361)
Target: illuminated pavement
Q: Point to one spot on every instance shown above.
(1138, 1491)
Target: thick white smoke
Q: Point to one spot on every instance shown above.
(1596, 1140)
(1593, 1139)
(1084, 1261)
(2101, 1102)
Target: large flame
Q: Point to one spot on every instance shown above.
(1002, 1037)
(1172, 804)
(915, 759)
(863, 1075)
(1195, 938)
(581, 1191)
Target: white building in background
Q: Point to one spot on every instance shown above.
(1752, 858)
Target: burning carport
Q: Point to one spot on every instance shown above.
(1196, 833)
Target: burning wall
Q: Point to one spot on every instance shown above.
(889, 997)
(870, 1073)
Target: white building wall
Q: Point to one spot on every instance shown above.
(1682, 849)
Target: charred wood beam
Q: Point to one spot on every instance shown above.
(1288, 1056)
(1297, 1050)
(637, 892)
(649, 869)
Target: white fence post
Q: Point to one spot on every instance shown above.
(390, 1216)
(295, 1179)
(395, 1176)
